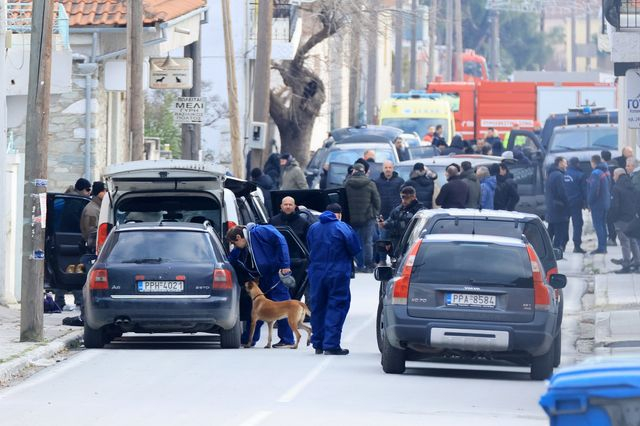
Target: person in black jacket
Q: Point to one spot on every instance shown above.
(421, 179)
(401, 149)
(400, 216)
(290, 216)
(622, 212)
(388, 184)
(506, 196)
(575, 185)
(272, 169)
(265, 183)
(557, 204)
(455, 193)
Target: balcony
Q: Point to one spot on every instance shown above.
(623, 27)
(285, 31)
(622, 14)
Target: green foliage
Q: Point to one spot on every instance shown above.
(158, 120)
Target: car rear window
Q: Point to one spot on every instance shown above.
(472, 263)
(159, 246)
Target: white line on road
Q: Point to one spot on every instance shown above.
(257, 418)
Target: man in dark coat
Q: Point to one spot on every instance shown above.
(557, 204)
(599, 200)
(422, 180)
(455, 193)
(332, 246)
(612, 164)
(272, 169)
(469, 177)
(622, 212)
(492, 139)
(400, 216)
(438, 139)
(575, 185)
(403, 152)
(506, 196)
(290, 216)
(388, 184)
(364, 207)
(265, 183)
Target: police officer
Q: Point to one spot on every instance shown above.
(260, 250)
(575, 186)
(332, 245)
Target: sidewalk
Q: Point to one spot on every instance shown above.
(16, 356)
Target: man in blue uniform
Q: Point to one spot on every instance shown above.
(261, 251)
(332, 245)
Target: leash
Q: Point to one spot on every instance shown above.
(274, 286)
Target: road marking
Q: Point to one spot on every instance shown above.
(292, 393)
(257, 418)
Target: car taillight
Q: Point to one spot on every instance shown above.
(401, 286)
(540, 292)
(99, 279)
(103, 232)
(222, 279)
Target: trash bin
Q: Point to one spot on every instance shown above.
(595, 394)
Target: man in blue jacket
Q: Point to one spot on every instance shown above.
(575, 185)
(557, 204)
(332, 246)
(599, 200)
(261, 251)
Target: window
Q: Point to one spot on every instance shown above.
(349, 156)
(67, 212)
(470, 263)
(417, 125)
(168, 246)
(584, 139)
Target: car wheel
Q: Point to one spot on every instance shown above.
(542, 366)
(94, 339)
(230, 339)
(379, 325)
(393, 359)
(557, 349)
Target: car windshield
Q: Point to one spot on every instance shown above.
(159, 246)
(469, 264)
(417, 125)
(350, 155)
(585, 139)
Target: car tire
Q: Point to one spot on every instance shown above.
(94, 339)
(393, 359)
(557, 349)
(542, 366)
(379, 325)
(230, 339)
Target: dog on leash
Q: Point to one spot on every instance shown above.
(269, 311)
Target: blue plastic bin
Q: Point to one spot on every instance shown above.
(595, 394)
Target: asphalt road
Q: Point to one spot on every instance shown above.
(188, 380)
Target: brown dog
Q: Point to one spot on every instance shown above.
(269, 311)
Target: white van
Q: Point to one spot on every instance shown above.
(163, 191)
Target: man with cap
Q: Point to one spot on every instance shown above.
(90, 216)
(81, 188)
(422, 180)
(292, 174)
(455, 192)
(399, 218)
(261, 252)
(364, 207)
(575, 186)
(332, 246)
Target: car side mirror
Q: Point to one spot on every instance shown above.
(383, 273)
(558, 281)
(558, 253)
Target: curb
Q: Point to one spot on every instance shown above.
(14, 367)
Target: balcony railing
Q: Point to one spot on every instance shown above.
(622, 14)
(19, 21)
(285, 19)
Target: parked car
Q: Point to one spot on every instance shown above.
(582, 141)
(584, 115)
(447, 300)
(484, 222)
(161, 277)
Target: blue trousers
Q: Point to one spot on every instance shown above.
(278, 294)
(576, 222)
(599, 218)
(331, 299)
(365, 234)
(559, 234)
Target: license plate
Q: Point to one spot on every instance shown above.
(160, 286)
(479, 300)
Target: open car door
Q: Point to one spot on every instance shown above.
(299, 261)
(63, 240)
(315, 200)
(526, 167)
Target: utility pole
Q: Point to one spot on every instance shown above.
(414, 44)
(35, 179)
(433, 35)
(495, 45)
(262, 77)
(232, 91)
(354, 78)
(458, 26)
(397, 60)
(191, 133)
(135, 94)
(372, 63)
(449, 41)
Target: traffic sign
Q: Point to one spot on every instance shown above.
(170, 73)
(633, 98)
(188, 110)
